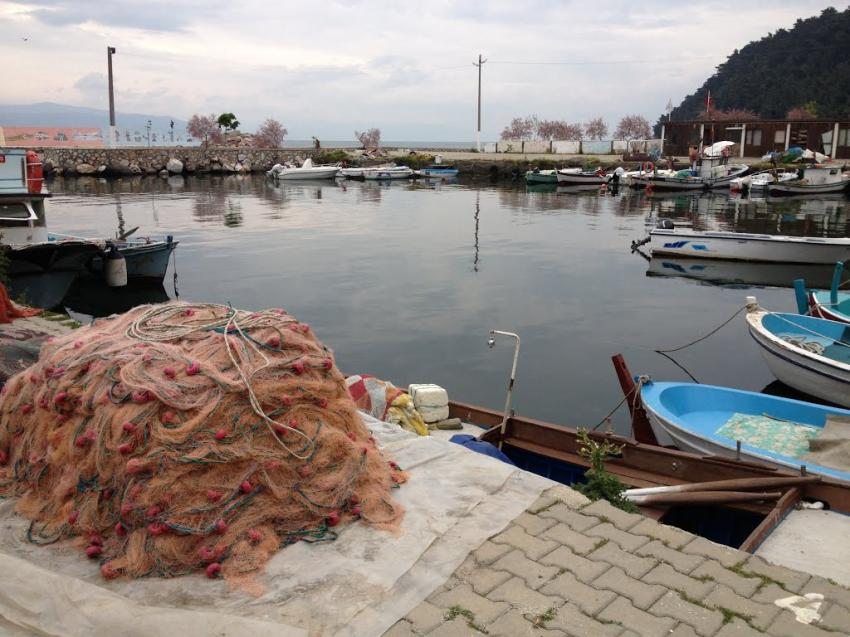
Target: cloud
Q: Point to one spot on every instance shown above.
(148, 16)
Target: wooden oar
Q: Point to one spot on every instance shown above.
(704, 497)
(737, 484)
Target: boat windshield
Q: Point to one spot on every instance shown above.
(17, 211)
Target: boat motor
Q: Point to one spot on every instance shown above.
(115, 268)
(665, 224)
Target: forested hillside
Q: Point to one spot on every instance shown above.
(806, 65)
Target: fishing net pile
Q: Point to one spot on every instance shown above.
(182, 437)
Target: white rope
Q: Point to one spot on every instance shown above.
(140, 329)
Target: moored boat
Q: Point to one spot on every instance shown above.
(716, 244)
(829, 303)
(538, 176)
(577, 177)
(437, 170)
(711, 420)
(812, 180)
(306, 171)
(712, 172)
(807, 353)
(387, 172)
(758, 182)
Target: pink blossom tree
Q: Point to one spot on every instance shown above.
(520, 128)
(369, 138)
(808, 110)
(735, 115)
(596, 129)
(270, 134)
(633, 127)
(558, 130)
(205, 128)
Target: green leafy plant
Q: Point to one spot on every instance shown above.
(331, 157)
(602, 485)
(228, 121)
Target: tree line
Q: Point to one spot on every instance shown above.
(532, 127)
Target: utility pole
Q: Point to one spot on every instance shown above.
(479, 64)
(110, 51)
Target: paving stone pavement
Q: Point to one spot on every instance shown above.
(568, 567)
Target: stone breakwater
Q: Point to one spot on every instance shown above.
(150, 161)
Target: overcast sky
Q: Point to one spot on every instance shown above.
(326, 68)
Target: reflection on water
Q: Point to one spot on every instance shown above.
(404, 280)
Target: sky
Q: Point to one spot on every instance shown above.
(328, 68)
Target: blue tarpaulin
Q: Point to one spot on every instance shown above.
(472, 443)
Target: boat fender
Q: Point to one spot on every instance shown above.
(115, 268)
(35, 173)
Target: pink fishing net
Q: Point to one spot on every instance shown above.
(179, 437)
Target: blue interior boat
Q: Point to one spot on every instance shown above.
(829, 304)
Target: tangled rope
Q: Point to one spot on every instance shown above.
(180, 437)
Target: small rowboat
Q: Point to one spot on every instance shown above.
(437, 170)
(807, 353)
(814, 180)
(827, 304)
(541, 177)
(711, 420)
(577, 177)
(387, 172)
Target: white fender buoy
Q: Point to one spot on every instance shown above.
(115, 268)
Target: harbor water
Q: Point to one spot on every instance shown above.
(404, 280)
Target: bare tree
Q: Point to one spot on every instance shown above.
(520, 128)
(596, 129)
(633, 127)
(204, 127)
(270, 134)
(559, 130)
(370, 138)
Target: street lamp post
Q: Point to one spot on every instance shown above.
(110, 51)
(148, 127)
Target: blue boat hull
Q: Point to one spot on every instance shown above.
(145, 263)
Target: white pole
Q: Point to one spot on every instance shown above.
(787, 135)
(743, 138)
(835, 141)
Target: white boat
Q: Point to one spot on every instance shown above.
(356, 172)
(387, 172)
(629, 177)
(741, 246)
(760, 180)
(807, 353)
(577, 176)
(306, 171)
(818, 179)
(711, 173)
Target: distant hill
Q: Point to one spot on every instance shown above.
(52, 114)
(784, 70)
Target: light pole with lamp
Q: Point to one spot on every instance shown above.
(491, 342)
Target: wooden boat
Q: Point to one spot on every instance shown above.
(807, 353)
(146, 258)
(306, 171)
(437, 170)
(668, 240)
(711, 173)
(711, 420)
(541, 177)
(389, 172)
(40, 270)
(758, 182)
(579, 177)
(812, 180)
(827, 304)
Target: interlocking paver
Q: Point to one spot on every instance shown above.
(400, 629)
(666, 575)
(489, 552)
(704, 621)
(738, 628)
(484, 609)
(744, 586)
(617, 517)
(455, 628)
(785, 625)
(682, 562)
(683, 630)
(543, 502)
(723, 554)
(643, 623)
(575, 623)
(832, 592)
(517, 537)
(534, 574)
(614, 555)
(641, 594)
(792, 580)
(534, 524)
(568, 496)
(519, 596)
(724, 597)
(837, 618)
(563, 534)
(425, 617)
(673, 537)
(569, 588)
(583, 568)
(484, 579)
(623, 539)
(578, 521)
(515, 623)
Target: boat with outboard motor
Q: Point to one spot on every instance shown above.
(759, 181)
(307, 170)
(711, 172)
(812, 180)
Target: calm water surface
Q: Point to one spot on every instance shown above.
(404, 281)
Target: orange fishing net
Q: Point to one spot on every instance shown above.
(179, 437)
(10, 310)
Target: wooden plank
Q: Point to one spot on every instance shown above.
(771, 520)
(641, 428)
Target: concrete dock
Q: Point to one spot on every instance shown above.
(569, 567)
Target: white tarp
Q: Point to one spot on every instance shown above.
(358, 585)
